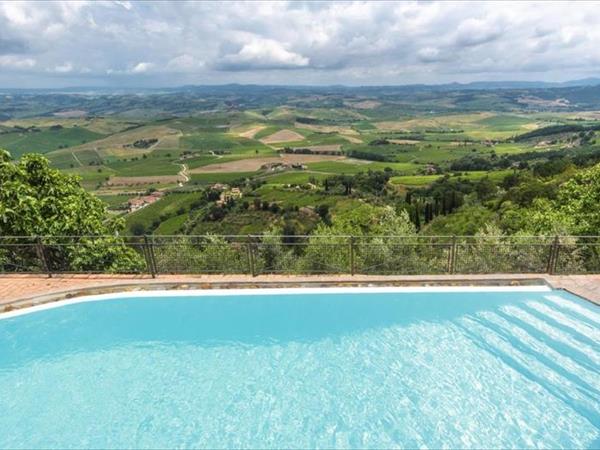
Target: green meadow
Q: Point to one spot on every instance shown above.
(372, 136)
(45, 140)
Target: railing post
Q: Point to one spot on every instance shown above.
(553, 258)
(452, 256)
(152, 257)
(42, 255)
(250, 249)
(352, 266)
(148, 254)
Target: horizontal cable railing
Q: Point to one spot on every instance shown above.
(293, 254)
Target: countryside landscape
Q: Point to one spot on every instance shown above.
(244, 159)
(292, 224)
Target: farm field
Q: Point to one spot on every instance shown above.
(218, 150)
(295, 151)
(173, 225)
(485, 125)
(294, 196)
(249, 222)
(221, 154)
(294, 177)
(249, 132)
(282, 136)
(349, 166)
(424, 180)
(114, 201)
(167, 207)
(221, 177)
(254, 164)
(136, 181)
(46, 139)
(91, 177)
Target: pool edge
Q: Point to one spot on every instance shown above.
(57, 298)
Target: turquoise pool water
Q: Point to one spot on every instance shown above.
(347, 370)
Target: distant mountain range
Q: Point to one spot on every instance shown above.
(521, 84)
(476, 85)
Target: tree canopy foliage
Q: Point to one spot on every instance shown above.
(36, 200)
(575, 208)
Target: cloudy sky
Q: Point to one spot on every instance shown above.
(121, 43)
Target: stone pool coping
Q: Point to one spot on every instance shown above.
(22, 291)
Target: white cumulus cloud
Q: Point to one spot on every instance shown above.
(142, 67)
(349, 42)
(263, 54)
(16, 62)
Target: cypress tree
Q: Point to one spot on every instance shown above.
(459, 199)
(417, 217)
(454, 201)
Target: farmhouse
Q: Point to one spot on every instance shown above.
(140, 202)
(431, 169)
(219, 187)
(279, 166)
(273, 166)
(227, 196)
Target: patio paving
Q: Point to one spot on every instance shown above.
(25, 290)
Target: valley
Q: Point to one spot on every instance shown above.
(300, 157)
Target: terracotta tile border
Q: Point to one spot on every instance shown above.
(22, 291)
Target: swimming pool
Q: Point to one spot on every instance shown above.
(348, 368)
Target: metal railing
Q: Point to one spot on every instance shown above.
(269, 254)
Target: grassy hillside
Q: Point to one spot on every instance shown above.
(44, 140)
(170, 206)
(455, 152)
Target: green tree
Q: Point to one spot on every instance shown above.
(418, 215)
(328, 248)
(323, 212)
(274, 255)
(210, 254)
(485, 189)
(36, 200)
(574, 210)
